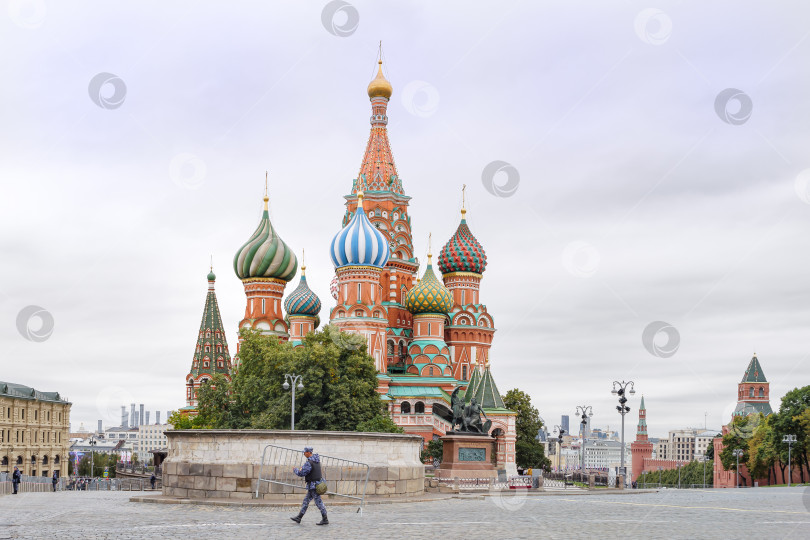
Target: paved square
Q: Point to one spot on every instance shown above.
(688, 514)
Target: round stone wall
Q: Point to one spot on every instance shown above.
(225, 463)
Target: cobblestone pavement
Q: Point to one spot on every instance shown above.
(726, 513)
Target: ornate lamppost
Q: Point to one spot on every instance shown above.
(737, 453)
(92, 442)
(620, 389)
(292, 378)
(585, 412)
(789, 439)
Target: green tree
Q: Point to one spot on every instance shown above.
(528, 450)
(740, 432)
(434, 451)
(761, 452)
(381, 423)
(340, 385)
(691, 474)
(788, 422)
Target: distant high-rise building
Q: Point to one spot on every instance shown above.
(147, 418)
(564, 423)
(132, 421)
(124, 418)
(100, 430)
(157, 417)
(140, 416)
(135, 420)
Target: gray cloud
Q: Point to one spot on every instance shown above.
(696, 222)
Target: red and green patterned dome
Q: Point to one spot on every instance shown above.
(462, 253)
(429, 295)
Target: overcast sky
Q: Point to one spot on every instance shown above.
(642, 188)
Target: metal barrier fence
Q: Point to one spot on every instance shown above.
(472, 484)
(344, 478)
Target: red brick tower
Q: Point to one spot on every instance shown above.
(387, 208)
(642, 448)
(471, 328)
(265, 264)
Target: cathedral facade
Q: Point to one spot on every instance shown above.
(427, 335)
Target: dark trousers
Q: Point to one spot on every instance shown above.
(313, 495)
(16, 486)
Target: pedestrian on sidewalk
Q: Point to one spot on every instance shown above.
(153, 480)
(16, 476)
(311, 471)
(55, 480)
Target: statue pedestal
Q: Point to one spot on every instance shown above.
(466, 456)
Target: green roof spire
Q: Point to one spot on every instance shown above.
(212, 346)
(487, 392)
(754, 373)
(475, 378)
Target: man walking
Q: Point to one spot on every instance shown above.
(54, 480)
(16, 476)
(153, 481)
(311, 471)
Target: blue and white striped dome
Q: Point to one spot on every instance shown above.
(360, 243)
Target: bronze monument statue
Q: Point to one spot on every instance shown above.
(468, 417)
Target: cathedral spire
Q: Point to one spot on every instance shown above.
(211, 354)
(378, 172)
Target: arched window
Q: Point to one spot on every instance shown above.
(464, 372)
(19, 460)
(405, 407)
(419, 407)
(56, 460)
(751, 392)
(33, 460)
(207, 347)
(5, 461)
(430, 371)
(45, 460)
(390, 348)
(761, 391)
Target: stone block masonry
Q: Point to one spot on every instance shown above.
(227, 463)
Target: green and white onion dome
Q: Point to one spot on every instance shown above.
(265, 255)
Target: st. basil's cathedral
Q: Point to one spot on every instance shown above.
(426, 336)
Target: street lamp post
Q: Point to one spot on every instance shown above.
(737, 453)
(789, 439)
(560, 431)
(93, 442)
(585, 411)
(619, 389)
(288, 378)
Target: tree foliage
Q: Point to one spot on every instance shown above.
(528, 450)
(379, 424)
(433, 451)
(761, 438)
(691, 474)
(339, 379)
(98, 462)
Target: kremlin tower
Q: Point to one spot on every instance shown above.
(211, 354)
(642, 448)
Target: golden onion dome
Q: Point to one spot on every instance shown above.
(380, 87)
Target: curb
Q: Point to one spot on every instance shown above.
(476, 495)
